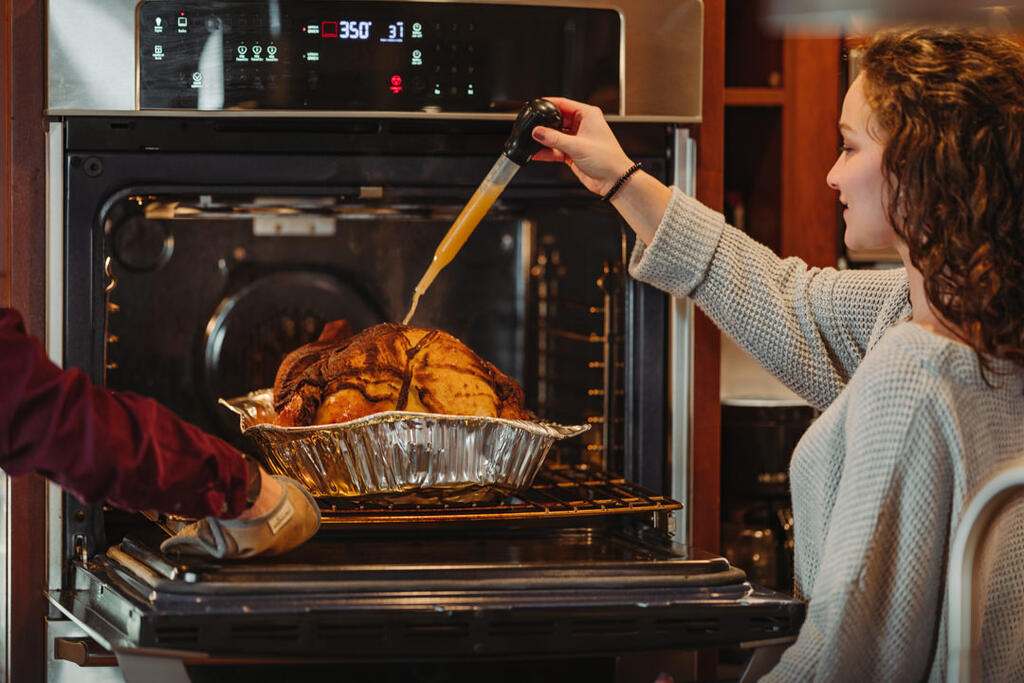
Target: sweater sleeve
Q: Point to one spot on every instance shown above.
(876, 602)
(810, 327)
(105, 446)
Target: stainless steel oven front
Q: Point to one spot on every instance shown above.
(225, 177)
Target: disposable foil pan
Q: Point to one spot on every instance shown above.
(404, 456)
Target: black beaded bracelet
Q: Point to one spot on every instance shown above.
(618, 183)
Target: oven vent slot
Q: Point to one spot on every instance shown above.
(670, 626)
(275, 632)
(521, 629)
(626, 628)
(432, 631)
(176, 635)
(318, 127)
(351, 632)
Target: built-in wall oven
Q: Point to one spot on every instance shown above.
(225, 177)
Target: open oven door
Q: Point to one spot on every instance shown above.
(578, 567)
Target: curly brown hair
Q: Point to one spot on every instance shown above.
(951, 105)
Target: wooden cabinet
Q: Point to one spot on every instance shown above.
(768, 137)
(782, 98)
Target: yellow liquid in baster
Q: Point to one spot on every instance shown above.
(461, 229)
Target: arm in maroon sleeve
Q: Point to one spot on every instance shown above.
(100, 445)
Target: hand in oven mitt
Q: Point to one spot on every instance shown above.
(289, 523)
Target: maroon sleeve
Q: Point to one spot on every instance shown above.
(101, 445)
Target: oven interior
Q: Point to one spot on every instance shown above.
(212, 290)
(209, 260)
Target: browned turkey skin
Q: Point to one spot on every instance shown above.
(342, 377)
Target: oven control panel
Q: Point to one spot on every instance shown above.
(374, 56)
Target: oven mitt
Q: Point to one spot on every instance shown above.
(290, 523)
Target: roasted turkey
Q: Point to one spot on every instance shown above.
(342, 377)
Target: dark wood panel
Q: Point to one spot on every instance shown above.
(810, 140)
(23, 209)
(27, 187)
(707, 418)
(710, 189)
(5, 154)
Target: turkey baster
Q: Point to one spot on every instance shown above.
(519, 148)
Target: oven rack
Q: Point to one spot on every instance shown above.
(560, 493)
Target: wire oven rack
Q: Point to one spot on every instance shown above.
(560, 493)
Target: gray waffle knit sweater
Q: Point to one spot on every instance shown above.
(879, 481)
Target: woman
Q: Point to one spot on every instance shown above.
(919, 371)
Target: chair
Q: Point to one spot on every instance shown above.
(975, 526)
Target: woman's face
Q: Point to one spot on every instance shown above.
(857, 176)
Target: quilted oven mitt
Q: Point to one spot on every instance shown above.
(290, 523)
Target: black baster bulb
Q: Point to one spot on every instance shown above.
(520, 146)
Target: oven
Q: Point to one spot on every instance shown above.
(225, 177)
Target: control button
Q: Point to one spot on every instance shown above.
(312, 29)
(396, 84)
(158, 25)
(470, 90)
(182, 23)
(158, 52)
(329, 29)
(197, 79)
(271, 53)
(417, 58)
(417, 30)
(436, 91)
(243, 54)
(312, 56)
(257, 53)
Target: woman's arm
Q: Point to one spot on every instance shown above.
(808, 327)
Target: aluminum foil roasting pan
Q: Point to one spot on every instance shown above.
(405, 456)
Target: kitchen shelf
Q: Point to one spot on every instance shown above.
(754, 97)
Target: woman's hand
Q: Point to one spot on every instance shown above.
(588, 146)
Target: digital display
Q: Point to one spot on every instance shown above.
(373, 56)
